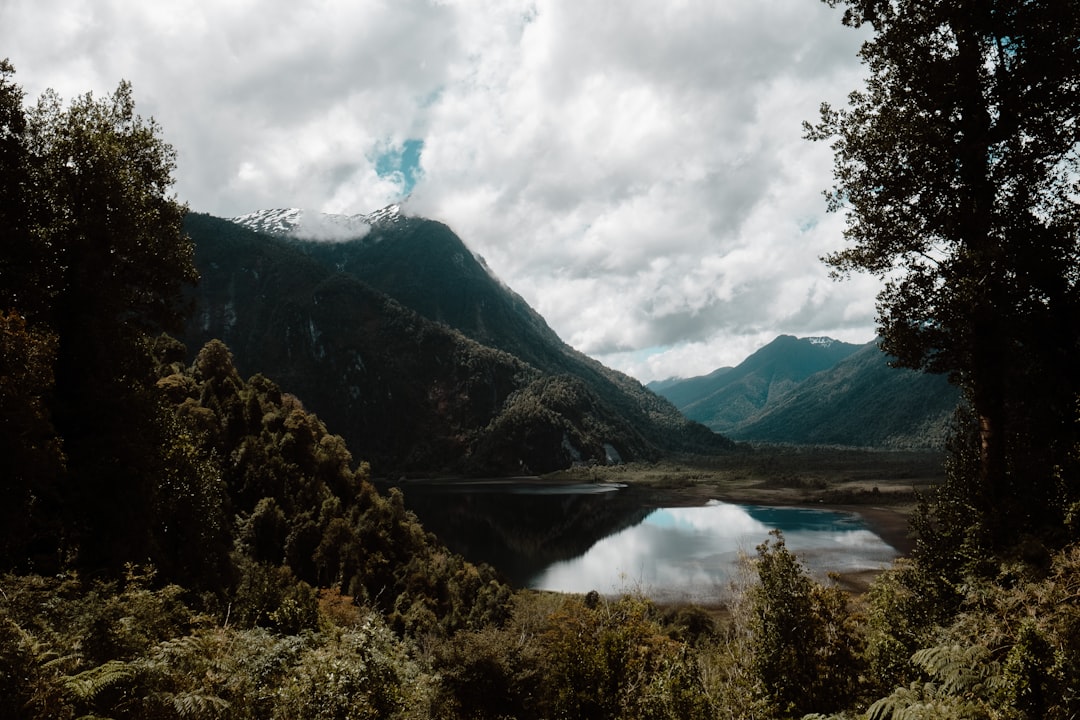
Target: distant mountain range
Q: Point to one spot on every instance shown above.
(405, 343)
(818, 391)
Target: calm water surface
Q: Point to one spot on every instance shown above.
(694, 553)
(577, 538)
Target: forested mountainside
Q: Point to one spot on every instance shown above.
(726, 397)
(862, 402)
(817, 391)
(413, 393)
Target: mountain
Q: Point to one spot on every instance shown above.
(726, 397)
(817, 391)
(426, 267)
(861, 401)
(405, 343)
(683, 392)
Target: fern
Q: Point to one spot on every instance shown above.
(963, 683)
(87, 685)
(960, 670)
(195, 706)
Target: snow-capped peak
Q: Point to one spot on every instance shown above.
(313, 225)
(279, 221)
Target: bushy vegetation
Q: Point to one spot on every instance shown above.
(138, 647)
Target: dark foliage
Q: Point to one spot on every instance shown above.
(956, 166)
(93, 258)
(299, 515)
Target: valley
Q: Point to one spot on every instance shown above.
(300, 465)
(442, 378)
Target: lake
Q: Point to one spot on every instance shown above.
(612, 538)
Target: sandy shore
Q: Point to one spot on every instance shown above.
(881, 486)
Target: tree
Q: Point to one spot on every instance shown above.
(957, 166)
(31, 455)
(93, 253)
(804, 652)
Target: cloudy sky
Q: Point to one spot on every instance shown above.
(634, 168)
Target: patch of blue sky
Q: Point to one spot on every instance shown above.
(401, 163)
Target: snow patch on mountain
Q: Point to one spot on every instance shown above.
(313, 225)
(333, 227)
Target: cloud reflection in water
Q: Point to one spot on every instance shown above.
(693, 553)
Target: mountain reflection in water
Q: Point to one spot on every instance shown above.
(577, 538)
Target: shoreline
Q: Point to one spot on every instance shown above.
(890, 522)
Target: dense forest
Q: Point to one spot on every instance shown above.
(177, 541)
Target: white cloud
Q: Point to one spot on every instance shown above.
(634, 169)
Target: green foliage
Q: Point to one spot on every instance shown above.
(486, 675)
(364, 672)
(1010, 651)
(93, 257)
(611, 660)
(553, 423)
(192, 534)
(302, 516)
(805, 651)
(964, 683)
(1028, 671)
(904, 610)
(90, 686)
(570, 657)
(194, 671)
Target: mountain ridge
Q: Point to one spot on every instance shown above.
(851, 397)
(862, 401)
(724, 398)
(313, 225)
(403, 340)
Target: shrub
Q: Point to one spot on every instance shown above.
(804, 647)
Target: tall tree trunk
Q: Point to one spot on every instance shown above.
(989, 403)
(987, 342)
